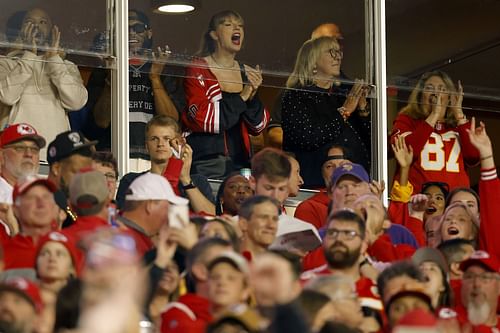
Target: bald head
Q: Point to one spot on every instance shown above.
(327, 30)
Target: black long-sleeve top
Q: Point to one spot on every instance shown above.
(311, 123)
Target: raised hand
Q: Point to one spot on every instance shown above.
(159, 59)
(479, 138)
(254, 76)
(377, 187)
(456, 103)
(353, 98)
(402, 152)
(54, 47)
(27, 37)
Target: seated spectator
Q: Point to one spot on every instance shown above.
(295, 181)
(89, 199)
(342, 292)
(228, 283)
(232, 192)
(315, 209)
(146, 208)
(36, 82)
(434, 125)
(480, 292)
(35, 210)
(191, 313)
(458, 221)
(163, 141)
(57, 261)
(105, 162)
(316, 114)
(20, 146)
(258, 221)
(222, 229)
(20, 305)
(433, 266)
(271, 171)
(317, 308)
(69, 153)
(222, 105)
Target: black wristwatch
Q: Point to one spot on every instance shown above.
(188, 186)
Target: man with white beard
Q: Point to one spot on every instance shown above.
(480, 292)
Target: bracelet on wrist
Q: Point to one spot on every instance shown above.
(188, 186)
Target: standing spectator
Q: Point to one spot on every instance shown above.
(434, 125)
(315, 113)
(222, 104)
(258, 221)
(36, 211)
(150, 92)
(36, 82)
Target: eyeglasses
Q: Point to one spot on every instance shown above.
(24, 149)
(483, 277)
(336, 54)
(138, 27)
(346, 234)
(110, 176)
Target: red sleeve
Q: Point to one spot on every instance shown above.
(384, 250)
(399, 214)
(313, 259)
(469, 152)
(310, 212)
(177, 321)
(416, 132)
(489, 192)
(172, 173)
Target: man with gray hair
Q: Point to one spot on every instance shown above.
(146, 208)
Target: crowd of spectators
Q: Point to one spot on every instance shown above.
(158, 252)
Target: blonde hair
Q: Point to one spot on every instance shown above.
(473, 217)
(414, 107)
(307, 57)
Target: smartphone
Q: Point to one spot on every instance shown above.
(178, 215)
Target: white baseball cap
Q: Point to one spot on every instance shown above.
(151, 186)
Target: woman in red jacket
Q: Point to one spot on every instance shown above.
(222, 106)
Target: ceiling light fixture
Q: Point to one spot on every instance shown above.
(174, 6)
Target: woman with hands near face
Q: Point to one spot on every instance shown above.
(434, 125)
(318, 111)
(223, 108)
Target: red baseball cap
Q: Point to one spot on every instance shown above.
(25, 184)
(25, 288)
(54, 236)
(482, 258)
(18, 132)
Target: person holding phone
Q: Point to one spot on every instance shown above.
(434, 125)
(36, 83)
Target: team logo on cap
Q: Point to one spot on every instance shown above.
(25, 129)
(52, 151)
(74, 137)
(19, 283)
(347, 167)
(58, 237)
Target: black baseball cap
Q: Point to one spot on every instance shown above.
(69, 143)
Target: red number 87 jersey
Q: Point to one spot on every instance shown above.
(439, 154)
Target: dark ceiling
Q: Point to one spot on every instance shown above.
(461, 37)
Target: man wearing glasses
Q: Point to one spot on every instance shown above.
(20, 147)
(480, 292)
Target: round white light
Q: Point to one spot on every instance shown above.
(176, 8)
